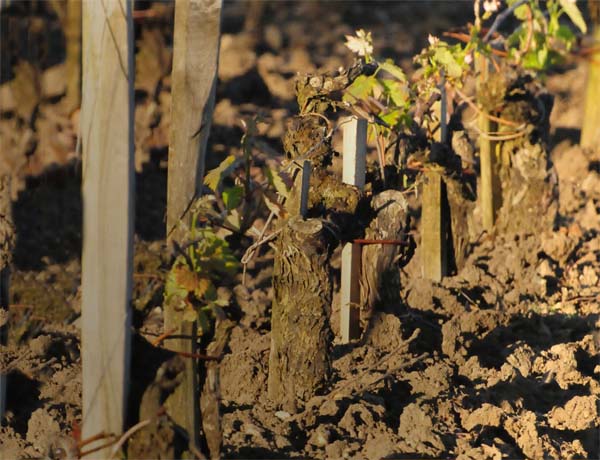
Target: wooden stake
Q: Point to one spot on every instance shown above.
(194, 76)
(486, 156)
(590, 131)
(194, 79)
(433, 234)
(306, 168)
(355, 148)
(72, 29)
(107, 134)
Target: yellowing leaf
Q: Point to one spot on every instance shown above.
(185, 278)
(213, 178)
(393, 70)
(277, 181)
(202, 286)
(574, 14)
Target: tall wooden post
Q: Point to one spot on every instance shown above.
(355, 147)
(107, 140)
(194, 76)
(590, 131)
(72, 27)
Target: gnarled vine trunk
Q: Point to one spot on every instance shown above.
(301, 336)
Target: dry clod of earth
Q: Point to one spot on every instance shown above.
(579, 413)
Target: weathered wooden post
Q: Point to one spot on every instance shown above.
(590, 131)
(107, 183)
(434, 250)
(7, 241)
(354, 151)
(194, 76)
(72, 28)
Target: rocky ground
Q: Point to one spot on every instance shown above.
(499, 361)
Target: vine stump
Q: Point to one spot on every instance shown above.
(301, 336)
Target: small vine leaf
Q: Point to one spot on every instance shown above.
(361, 43)
(172, 288)
(214, 177)
(446, 59)
(277, 182)
(391, 68)
(361, 88)
(185, 278)
(234, 220)
(202, 286)
(232, 197)
(397, 91)
(574, 14)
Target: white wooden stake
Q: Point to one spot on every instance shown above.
(107, 140)
(306, 169)
(355, 149)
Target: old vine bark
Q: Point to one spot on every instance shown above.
(299, 363)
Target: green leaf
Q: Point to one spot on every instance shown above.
(213, 178)
(574, 14)
(396, 91)
(232, 197)
(392, 117)
(531, 61)
(521, 12)
(542, 56)
(566, 35)
(362, 87)
(446, 59)
(391, 68)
